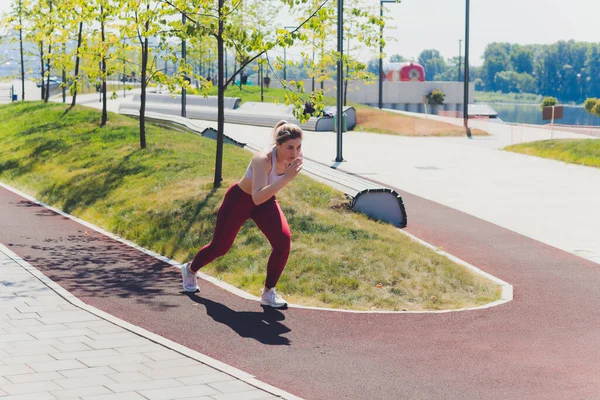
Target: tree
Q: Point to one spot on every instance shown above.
(496, 60)
(396, 58)
(522, 59)
(432, 62)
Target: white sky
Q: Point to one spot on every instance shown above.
(439, 24)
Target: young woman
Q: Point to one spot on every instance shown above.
(254, 197)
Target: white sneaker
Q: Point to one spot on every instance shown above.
(272, 299)
(189, 280)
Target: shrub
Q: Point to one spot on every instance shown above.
(549, 101)
(590, 104)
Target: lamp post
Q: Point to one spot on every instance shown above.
(381, 50)
(459, 57)
(183, 57)
(285, 55)
(340, 80)
(466, 80)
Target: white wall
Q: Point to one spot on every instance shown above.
(401, 95)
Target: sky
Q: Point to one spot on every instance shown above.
(440, 24)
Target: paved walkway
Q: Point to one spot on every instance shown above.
(53, 346)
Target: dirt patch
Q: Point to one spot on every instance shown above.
(397, 124)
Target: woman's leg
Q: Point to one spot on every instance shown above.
(233, 212)
(270, 220)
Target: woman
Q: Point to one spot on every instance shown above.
(254, 197)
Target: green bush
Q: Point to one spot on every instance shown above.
(591, 104)
(549, 101)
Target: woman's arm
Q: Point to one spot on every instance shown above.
(262, 192)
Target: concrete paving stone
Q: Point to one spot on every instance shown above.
(24, 323)
(67, 347)
(205, 379)
(126, 377)
(99, 326)
(250, 395)
(163, 355)
(85, 354)
(31, 315)
(232, 386)
(8, 370)
(87, 372)
(131, 367)
(49, 317)
(30, 387)
(144, 385)
(30, 396)
(60, 333)
(148, 348)
(4, 381)
(41, 328)
(57, 365)
(116, 343)
(20, 337)
(3, 393)
(115, 396)
(75, 383)
(179, 392)
(180, 361)
(35, 377)
(114, 360)
(199, 369)
(37, 308)
(68, 307)
(80, 392)
(34, 343)
(116, 336)
(3, 354)
(75, 339)
(30, 360)
(29, 351)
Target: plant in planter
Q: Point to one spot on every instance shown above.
(436, 98)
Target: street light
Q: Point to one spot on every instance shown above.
(285, 55)
(184, 58)
(466, 80)
(340, 80)
(381, 50)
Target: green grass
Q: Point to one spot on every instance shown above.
(574, 151)
(163, 199)
(497, 97)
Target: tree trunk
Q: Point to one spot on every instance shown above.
(143, 96)
(48, 64)
(103, 67)
(220, 101)
(76, 79)
(42, 84)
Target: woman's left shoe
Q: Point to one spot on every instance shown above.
(190, 284)
(272, 299)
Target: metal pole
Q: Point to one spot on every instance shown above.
(459, 57)
(64, 78)
(381, 57)
(21, 50)
(183, 57)
(262, 98)
(466, 82)
(340, 80)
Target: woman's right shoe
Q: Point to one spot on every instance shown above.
(272, 299)
(190, 284)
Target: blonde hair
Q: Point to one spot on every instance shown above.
(284, 131)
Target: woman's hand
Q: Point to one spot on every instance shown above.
(293, 168)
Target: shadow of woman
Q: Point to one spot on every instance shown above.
(261, 326)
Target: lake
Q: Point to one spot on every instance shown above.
(532, 114)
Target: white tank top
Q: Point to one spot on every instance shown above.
(273, 177)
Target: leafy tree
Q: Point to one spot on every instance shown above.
(496, 60)
(432, 62)
(549, 101)
(522, 59)
(397, 58)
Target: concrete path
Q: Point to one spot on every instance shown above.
(54, 346)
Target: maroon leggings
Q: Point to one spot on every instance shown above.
(236, 208)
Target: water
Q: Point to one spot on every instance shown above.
(532, 114)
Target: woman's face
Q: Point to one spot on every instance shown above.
(290, 149)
